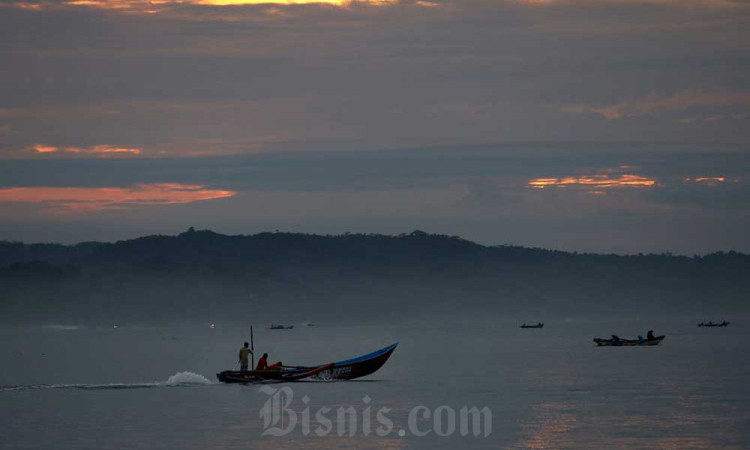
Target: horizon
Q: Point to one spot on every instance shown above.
(373, 234)
(624, 198)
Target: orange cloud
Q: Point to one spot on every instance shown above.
(290, 2)
(41, 148)
(156, 6)
(656, 103)
(76, 200)
(708, 181)
(101, 150)
(26, 5)
(597, 182)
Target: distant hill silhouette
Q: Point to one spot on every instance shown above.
(203, 275)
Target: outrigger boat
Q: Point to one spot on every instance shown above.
(538, 325)
(343, 370)
(627, 342)
(711, 324)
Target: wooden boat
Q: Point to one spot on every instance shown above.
(280, 327)
(348, 369)
(360, 366)
(711, 324)
(538, 325)
(627, 342)
(254, 376)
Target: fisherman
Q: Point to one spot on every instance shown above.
(616, 339)
(244, 353)
(263, 363)
(650, 334)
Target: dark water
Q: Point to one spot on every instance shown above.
(550, 388)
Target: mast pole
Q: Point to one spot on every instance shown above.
(252, 349)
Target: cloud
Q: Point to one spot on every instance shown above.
(157, 6)
(77, 200)
(708, 181)
(96, 150)
(151, 6)
(654, 103)
(598, 182)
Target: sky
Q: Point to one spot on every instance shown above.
(600, 126)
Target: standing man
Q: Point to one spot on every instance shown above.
(244, 353)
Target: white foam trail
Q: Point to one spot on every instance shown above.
(178, 379)
(61, 327)
(181, 378)
(107, 386)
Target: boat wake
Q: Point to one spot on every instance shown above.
(176, 380)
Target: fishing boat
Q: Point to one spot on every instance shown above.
(628, 342)
(254, 376)
(538, 325)
(711, 324)
(280, 327)
(348, 369)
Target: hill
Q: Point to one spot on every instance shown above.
(206, 276)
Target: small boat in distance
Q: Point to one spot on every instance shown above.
(343, 370)
(711, 324)
(538, 325)
(280, 327)
(617, 342)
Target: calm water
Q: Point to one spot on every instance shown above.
(550, 388)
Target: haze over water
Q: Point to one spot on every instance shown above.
(547, 388)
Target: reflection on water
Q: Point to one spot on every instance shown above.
(550, 427)
(679, 422)
(334, 442)
(553, 389)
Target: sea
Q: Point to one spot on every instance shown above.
(450, 384)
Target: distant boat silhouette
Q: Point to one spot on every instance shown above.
(617, 342)
(711, 324)
(538, 325)
(280, 327)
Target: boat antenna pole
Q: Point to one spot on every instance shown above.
(252, 349)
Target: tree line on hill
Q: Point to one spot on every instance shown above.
(203, 275)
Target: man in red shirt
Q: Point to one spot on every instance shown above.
(263, 363)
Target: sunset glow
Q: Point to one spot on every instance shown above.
(602, 181)
(708, 181)
(75, 200)
(97, 150)
(290, 2)
(153, 6)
